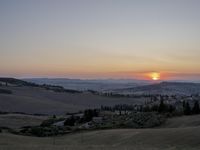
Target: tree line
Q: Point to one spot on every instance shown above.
(162, 107)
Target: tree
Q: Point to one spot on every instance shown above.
(183, 104)
(70, 121)
(147, 109)
(89, 114)
(187, 109)
(171, 108)
(154, 108)
(162, 107)
(196, 109)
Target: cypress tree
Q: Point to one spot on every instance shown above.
(187, 109)
(196, 109)
(162, 107)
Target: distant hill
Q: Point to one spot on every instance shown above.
(83, 85)
(168, 88)
(23, 96)
(17, 82)
(20, 96)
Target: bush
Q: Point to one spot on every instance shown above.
(89, 114)
(4, 91)
(147, 120)
(196, 109)
(136, 120)
(40, 131)
(44, 131)
(70, 121)
(187, 109)
(50, 121)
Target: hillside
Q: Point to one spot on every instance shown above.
(175, 134)
(165, 88)
(16, 82)
(117, 139)
(15, 121)
(30, 99)
(182, 122)
(97, 85)
(180, 133)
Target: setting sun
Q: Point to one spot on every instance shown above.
(155, 76)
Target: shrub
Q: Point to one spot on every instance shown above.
(196, 109)
(89, 114)
(40, 131)
(50, 121)
(70, 121)
(187, 109)
(5, 91)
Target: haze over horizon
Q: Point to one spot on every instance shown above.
(100, 39)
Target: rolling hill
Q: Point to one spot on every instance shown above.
(179, 138)
(97, 85)
(165, 88)
(16, 82)
(38, 99)
(175, 134)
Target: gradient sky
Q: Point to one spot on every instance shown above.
(100, 38)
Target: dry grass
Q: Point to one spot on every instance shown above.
(140, 139)
(182, 133)
(15, 121)
(184, 137)
(184, 121)
(38, 100)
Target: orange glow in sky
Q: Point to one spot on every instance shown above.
(151, 40)
(155, 76)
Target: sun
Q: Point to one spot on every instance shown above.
(155, 76)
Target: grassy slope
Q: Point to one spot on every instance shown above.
(184, 121)
(165, 88)
(15, 121)
(180, 138)
(144, 139)
(38, 100)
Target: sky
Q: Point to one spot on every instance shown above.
(100, 38)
